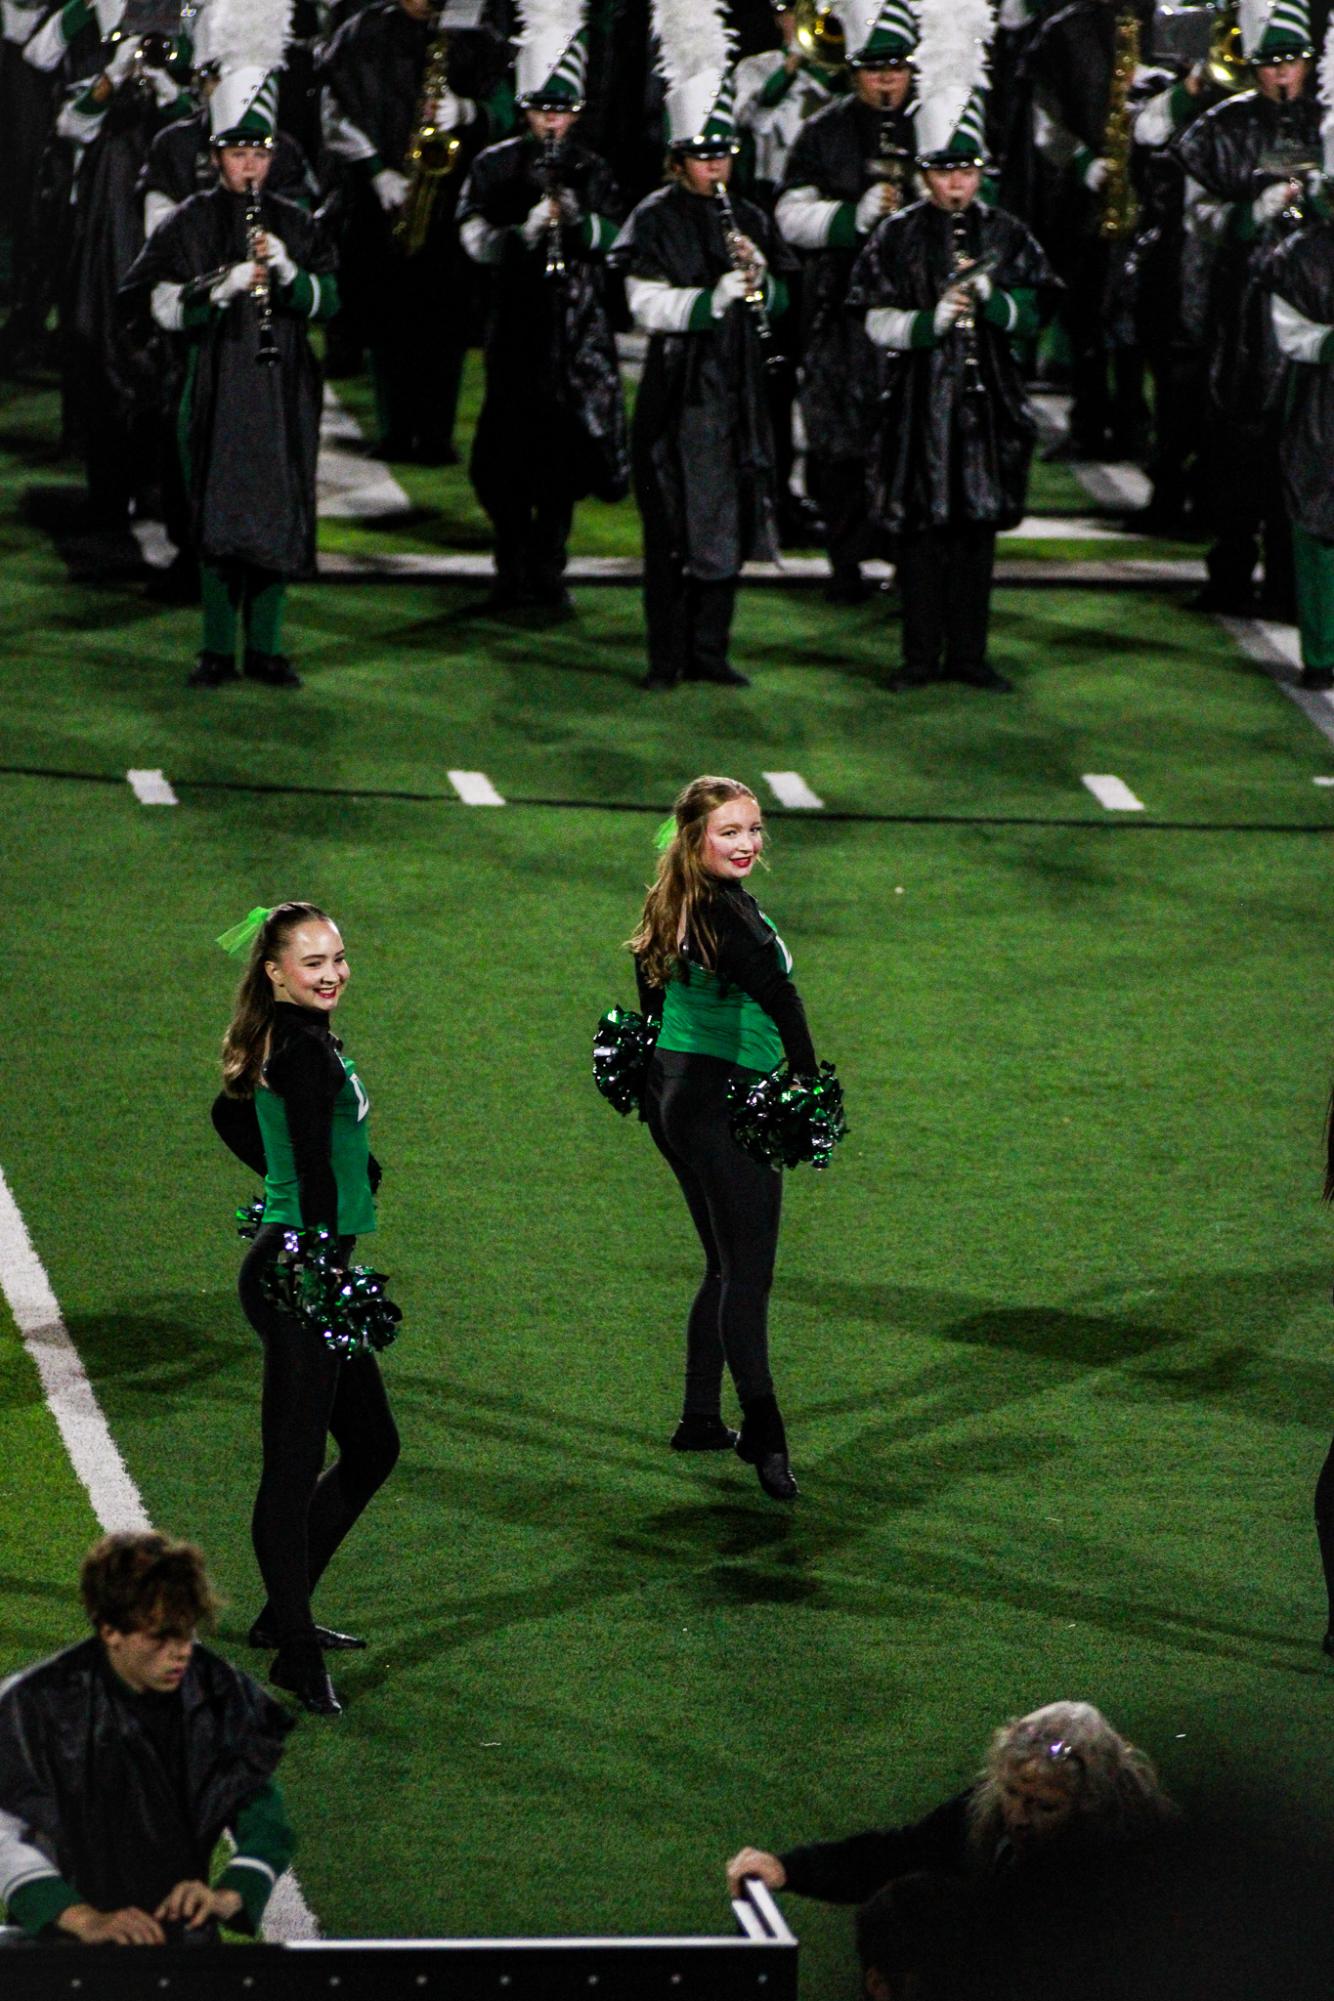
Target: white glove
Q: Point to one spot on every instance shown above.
(122, 62)
(1095, 176)
(980, 287)
(871, 208)
(281, 264)
(1269, 202)
(233, 284)
(391, 187)
(536, 223)
(165, 87)
(947, 312)
(731, 287)
(452, 113)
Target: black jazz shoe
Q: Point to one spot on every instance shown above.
(763, 1445)
(703, 1434)
(273, 670)
(329, 1641)
(301, 1671)
(212, 670)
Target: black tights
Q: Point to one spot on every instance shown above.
(734, 1204)
(1324, 1526)
(302, 1513)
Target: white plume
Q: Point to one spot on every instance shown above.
(951, 53)
(548, 21)
(693, 38)
(251, 34)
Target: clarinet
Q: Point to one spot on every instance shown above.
(554, 268)
(961, 262)
(753, 299)
(261, 288)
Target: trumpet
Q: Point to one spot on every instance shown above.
(753, 298)
(261, 285)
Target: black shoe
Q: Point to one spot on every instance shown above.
(656, 684)
(328, 1641)
(983, 675)
(720, 677)
(1233, 601)
(1316, 678)
(763, 1445)
(776, 1476)
(703, 1434)
(847, 587)
(211, 670)
(555, 606)
(908, 677)
(301, 1671)
(273, 670)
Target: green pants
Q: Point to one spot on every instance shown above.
(244, 597)
(1314, 562)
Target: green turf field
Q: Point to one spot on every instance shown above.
(1051, 1335)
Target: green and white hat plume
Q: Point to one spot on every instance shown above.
(951, 61)
(246, 41)
(878, 33)
(695, 62)
(1274, 29)
(553, 55)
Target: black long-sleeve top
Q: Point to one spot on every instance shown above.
(303, 1067)
(746, 953)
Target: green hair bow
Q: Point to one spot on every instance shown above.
(666, 833)
(243, 935)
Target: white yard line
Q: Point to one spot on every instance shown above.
(1278, 650)
(1116, 487)
(93, 1452)
(791, 789)
(474, 788)
(150, 788)
(349, 484)
(422, 566)
(1112, 792)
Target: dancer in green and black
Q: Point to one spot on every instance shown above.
(715, 973)
(293, 1108)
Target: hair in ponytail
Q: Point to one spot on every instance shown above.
(246, 1042)
(683, 885)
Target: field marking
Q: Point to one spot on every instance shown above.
(1112, 792)
(93, 1453)
(791, 789)
(1322, 781)
(351, 486)
(799, 572)
(474, 788)
(150, 788)
(1278, 649)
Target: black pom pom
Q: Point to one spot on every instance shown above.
(782, 1120)
(621, 1051)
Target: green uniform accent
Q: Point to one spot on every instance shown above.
(704, 1016)
(263, 1834)
(349, 1153)
(1314, 562)
(37, 1905)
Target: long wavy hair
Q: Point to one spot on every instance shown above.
(1117, 1796)
(683, 885)
(246, 1043)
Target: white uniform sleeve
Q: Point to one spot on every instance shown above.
(1207, 217)
(157, 207)
(1298, 338)
(341, 136)
(166, 308)
(1153, 124)
(890, 326)
(805, 217)
(484, 243)
(22, 1859)
(657, 307)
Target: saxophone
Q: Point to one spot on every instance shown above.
(1119, 203)
(753, 300)
(431, 155)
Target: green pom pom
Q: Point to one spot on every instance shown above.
(784, 1121)
(622, 1047)
(249, 1217)
(347, 1306)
